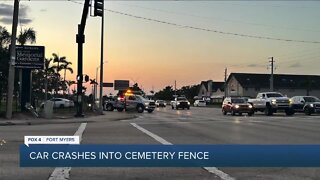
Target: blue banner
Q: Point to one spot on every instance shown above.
(170, 156)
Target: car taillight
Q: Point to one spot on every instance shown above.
(121, 98)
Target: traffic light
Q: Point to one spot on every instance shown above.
(98, 7)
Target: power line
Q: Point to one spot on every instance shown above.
(221, 19)
(207, 29)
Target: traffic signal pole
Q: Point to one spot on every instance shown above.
(80, 39)
(101, 63)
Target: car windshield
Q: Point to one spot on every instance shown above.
(181, 99)
(201, 101)
(311, 99)
(274, 95)
(238, 100)
(160, 101)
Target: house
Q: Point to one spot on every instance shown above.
(248, 84)
(211, 91)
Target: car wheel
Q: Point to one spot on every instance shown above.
(61, 106)
(150, 111)
(307, 111)
(188, 107)
(140, 109)
(250, 113)
(240, 114)
(172, 107)
(224, 112)
(110, 108)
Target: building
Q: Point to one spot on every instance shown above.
(211, 91)
(247, 84)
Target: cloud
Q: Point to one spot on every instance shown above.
(43, 10)
(295, 65)
(6, 20)
(6, 13)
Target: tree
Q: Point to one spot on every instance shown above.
(61, 61)
(27, 35)
(165, 94)
(4, 37)
(66, 67)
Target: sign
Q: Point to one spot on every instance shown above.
(30, 57)
(107, 84)
(121, 84)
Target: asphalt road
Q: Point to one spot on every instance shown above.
(194, 126)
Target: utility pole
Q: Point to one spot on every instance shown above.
(12, 59)
(225, 82)
(271, 75)
(80, 38)
(175, 88)
(101, 62)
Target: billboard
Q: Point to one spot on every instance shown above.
(30, 57)
(121, 84)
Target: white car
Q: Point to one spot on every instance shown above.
(161, 103)
(200, 103)
(62, 103)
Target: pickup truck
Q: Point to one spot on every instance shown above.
(180, 102)
(271, 102)
(114, 103)
(131, 102)
(139, 103)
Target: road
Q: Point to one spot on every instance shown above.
(194, 126)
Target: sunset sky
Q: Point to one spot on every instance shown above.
(156, 54)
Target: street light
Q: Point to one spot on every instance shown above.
(95, 86)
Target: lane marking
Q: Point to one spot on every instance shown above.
(212, 170)
(63, 173)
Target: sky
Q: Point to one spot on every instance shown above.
(155, 54)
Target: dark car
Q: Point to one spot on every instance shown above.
(236, 105)
(307, 104)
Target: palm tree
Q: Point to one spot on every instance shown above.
(48, 69)
(4, 37)
(27, 35)
(66, 67)
(62, 64)
(58, 67)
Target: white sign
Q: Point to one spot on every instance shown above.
(51, 140)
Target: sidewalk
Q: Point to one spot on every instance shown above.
(28, 119)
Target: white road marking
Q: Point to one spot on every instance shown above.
(212, 170)
(63, 173)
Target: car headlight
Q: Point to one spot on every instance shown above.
(290, 101)
(188, 103)
(178, 103)
(250, 106)
(146, 104)
(236, 106)
(273, 101)
(89, 105)
(311, 105)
